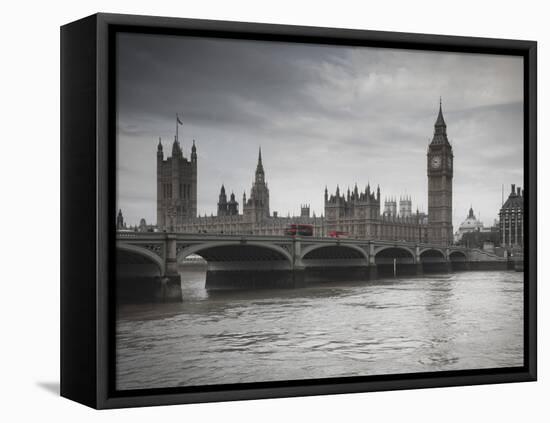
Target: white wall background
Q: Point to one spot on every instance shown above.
(29, 131)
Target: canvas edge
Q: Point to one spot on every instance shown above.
(78, 332)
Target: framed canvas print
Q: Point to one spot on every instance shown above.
(254, 211)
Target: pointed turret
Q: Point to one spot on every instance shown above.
(326, 193)
(194, 152)
(119, 220)
(440, 122)
(222, 197)
(440, 128)
(160, 153)
(222, 202)
(176, 149)
(260, 166)
(232, 206)
(260, 175)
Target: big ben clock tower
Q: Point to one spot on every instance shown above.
(440, 185)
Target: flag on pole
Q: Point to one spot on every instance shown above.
(178, 119)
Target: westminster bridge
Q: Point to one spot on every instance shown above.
(149, 262)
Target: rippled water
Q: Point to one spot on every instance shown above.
(467, 320)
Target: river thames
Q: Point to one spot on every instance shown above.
(456, 321)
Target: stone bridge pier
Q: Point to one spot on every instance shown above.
(170, 282)
(147, 269)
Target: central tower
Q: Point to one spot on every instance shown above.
(257, 206)
(440, 185)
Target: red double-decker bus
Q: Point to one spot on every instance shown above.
(338, 234)
(299, 230)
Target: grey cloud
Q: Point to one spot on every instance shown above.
(322, 114)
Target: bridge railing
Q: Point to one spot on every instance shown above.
(124, 235)
(140, 235)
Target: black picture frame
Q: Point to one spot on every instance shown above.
(88, 204)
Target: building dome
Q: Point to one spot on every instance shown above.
(471, 224)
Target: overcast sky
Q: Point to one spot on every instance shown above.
(323, 115)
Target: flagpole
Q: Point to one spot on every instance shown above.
(177, 128)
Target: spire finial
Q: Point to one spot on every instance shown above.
(440, 119)
(260, 168)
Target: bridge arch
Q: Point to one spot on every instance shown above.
(134, 254)
(394, 250)
(458, 255)
(236, 251)
(335, 251)
(395, 260)
(428, 255)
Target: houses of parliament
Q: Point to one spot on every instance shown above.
(356, 213)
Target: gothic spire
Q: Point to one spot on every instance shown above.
(222, 197)
(194, 152)
(176, 148)
(440, 121)
(440, 128)
(260, 168)
(160, 154)
(260, 165)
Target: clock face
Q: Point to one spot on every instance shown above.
(436, 162)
